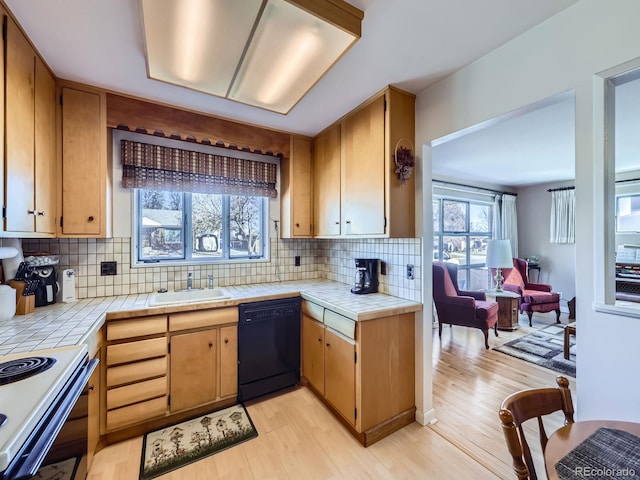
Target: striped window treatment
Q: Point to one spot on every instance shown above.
(165, 168)
(563, 216)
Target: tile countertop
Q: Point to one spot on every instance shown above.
(73, 323)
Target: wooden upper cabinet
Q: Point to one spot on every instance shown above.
(326, 178)
(84, 164)
(356, 191)
(20, 170)
(297, 190)
(30, 133)
(363, 205)
(45, 149)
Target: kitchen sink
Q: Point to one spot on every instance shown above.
(188, 296)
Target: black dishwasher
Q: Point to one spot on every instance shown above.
(268, 346)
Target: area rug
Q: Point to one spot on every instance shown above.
(545, 348)
(178, 445)
(63, 470)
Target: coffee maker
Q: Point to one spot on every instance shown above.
(366, 280)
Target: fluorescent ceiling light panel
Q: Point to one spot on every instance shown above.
(265, 53)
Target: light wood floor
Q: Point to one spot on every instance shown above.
(299, 438)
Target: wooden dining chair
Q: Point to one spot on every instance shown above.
(525, 405)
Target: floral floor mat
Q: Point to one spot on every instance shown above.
(178, 445)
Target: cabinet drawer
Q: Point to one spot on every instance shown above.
(136, 327)
(136, 372)
(133, 351)
(340, 323)
(203, 318)
(136, 392)
(313, 310)
(139, 412)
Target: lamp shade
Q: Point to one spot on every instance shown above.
(499, 254)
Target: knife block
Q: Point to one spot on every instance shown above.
(24, 305)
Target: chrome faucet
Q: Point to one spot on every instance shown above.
(190, 281)
(210, 281)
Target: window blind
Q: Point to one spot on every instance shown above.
(165, 168)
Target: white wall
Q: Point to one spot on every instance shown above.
(565, 52)
(557, 261)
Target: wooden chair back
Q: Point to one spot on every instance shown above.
(525, 405)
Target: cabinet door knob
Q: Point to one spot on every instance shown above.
(328, 344)
(32, 212)
(337, 223)
(226, 340)
(320, 340)
(210, 344)
(90, 218)
(41, 213)
(297, 225)
(348, 221)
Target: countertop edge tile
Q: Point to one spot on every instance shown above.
(79, 322)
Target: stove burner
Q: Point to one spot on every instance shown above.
(22, 368)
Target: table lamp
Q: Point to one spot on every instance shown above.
(499, 257)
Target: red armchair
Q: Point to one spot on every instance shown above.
(463, 310)
(534, 297)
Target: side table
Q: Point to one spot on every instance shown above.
(507, 309)
(534, 266)
(569, 330)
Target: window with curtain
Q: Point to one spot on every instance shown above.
(193, 206)
(509, 220)
(562, 227)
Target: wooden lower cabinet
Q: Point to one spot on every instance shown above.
(313, 351)
(229, 361)
(368, 380)
(136, 378)
(193, 369)
(161, 369)
(339, 374)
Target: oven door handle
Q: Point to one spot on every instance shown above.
(55, 421)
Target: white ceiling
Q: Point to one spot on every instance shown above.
(407, 43)
(531, 146)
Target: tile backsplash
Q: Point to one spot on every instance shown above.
(319, 258)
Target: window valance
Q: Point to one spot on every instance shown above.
(165, 168)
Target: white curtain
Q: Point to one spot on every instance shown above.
(509, 219)
(496, 232)
(562, 228)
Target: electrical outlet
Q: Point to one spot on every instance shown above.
(297, 260)
(383, 268)
(108, 268)
(410, 272)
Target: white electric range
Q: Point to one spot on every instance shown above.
(38, 389)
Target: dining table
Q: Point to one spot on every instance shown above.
(581, 437)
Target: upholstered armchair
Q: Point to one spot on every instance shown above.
(534, 297)
(462, 310)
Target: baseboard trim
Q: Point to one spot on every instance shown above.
(426, 418)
